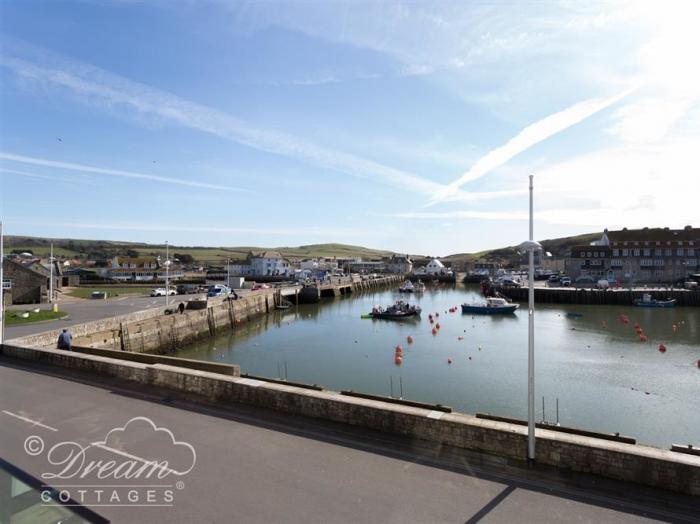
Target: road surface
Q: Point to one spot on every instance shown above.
(252, 465)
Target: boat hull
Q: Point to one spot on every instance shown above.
(655, 303)
(489, 310)
(395, 316)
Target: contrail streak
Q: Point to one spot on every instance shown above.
(528, 137)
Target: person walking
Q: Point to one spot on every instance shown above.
(65, 340)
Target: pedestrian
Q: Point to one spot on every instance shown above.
(65, 340)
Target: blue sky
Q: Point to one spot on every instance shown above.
(405, 126)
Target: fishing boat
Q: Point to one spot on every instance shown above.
(407, 287)
(398, 311)
(493, 306)
(419, 287)
(648, 301)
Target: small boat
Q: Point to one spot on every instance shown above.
(493, 306)
(647, 301)
(573, 314)
(398, 311)
(407, 287)
(419, 287)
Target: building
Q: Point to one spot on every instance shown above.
(400, 264)
(24, 284)
(141, 269)
(648, 255)
(267, 263)
(434, 267)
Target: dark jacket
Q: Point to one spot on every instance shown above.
(65, 340)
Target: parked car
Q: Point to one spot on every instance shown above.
(553, 279)
(256, 287)
(507, 282)
(218, 290)
(565, 282)
(603, 284)
(585, 281)
(187, 289)
(161, 292)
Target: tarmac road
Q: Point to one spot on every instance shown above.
(252, 465)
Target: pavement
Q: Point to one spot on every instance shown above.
(88, 310)
(244, 464)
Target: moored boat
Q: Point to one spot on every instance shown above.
(407, 287)
(493, 306)
(648, 301)
(397, 311)
(419, 287)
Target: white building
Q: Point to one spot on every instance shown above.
(434, 267)
(400, 264)
(319, 264)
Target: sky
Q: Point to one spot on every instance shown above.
(409, 126)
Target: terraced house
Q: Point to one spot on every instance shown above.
(648, 255)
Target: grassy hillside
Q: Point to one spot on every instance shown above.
(96, 249)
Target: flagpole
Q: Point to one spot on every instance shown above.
(2, 286)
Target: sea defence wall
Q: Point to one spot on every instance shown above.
(621, 297)
(649, 466)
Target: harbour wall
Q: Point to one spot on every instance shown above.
(620, 297)
(165, 330)
(649, 466)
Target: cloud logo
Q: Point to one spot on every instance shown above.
(141, 439)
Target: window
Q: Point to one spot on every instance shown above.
(636, 252)
(680, 251)
(624, 243)
(616, 252)
(691, 252)
(658, 252)
(669, 252)
(595, 254)
(6, 283)
(589, 255)
(625, 252)
(647, 252)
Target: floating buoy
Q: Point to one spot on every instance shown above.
(460, 338)
(437, 325)
(449, 360)
(437, 314)
(479, 348)
(434, 331)
(698, 362)
(642, 338)
(662, 348)
(398, 360)
(409, 339)
(399, 350)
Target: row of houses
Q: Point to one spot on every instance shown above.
(648, 255)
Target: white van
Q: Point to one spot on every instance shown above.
(603, 284)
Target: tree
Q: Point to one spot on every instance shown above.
(185, 258)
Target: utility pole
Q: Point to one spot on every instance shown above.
(51, 272)
(228, 272)
(167, 274)
(2, 286)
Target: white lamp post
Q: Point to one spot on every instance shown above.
(51, 279)
(531, 246)
(2, 286)
(167, 274)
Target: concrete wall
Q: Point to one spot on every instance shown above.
(633, 463)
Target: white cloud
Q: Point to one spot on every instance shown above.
(69, 166)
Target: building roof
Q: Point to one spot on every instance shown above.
(268, 254)
(654, 234)
(139, 261)
(436, 262)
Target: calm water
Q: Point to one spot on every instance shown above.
(604, 377)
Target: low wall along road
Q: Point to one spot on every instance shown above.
(122, 347)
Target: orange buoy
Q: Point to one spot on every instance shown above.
(432, 321)
(398, 360)
(399, 349)
(642, 338)
(449, 360)
(434, 331)
(460, 338)
(437, 325)
(698, 363)
(662, 348)
(409, 339)
(437, 314)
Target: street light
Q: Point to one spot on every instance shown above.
(531, 246)
(51, 278)
(2, 286)
(167, 274)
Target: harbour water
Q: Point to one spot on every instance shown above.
(604, 378)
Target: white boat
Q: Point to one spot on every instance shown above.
(419, 287)
(407, 287)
